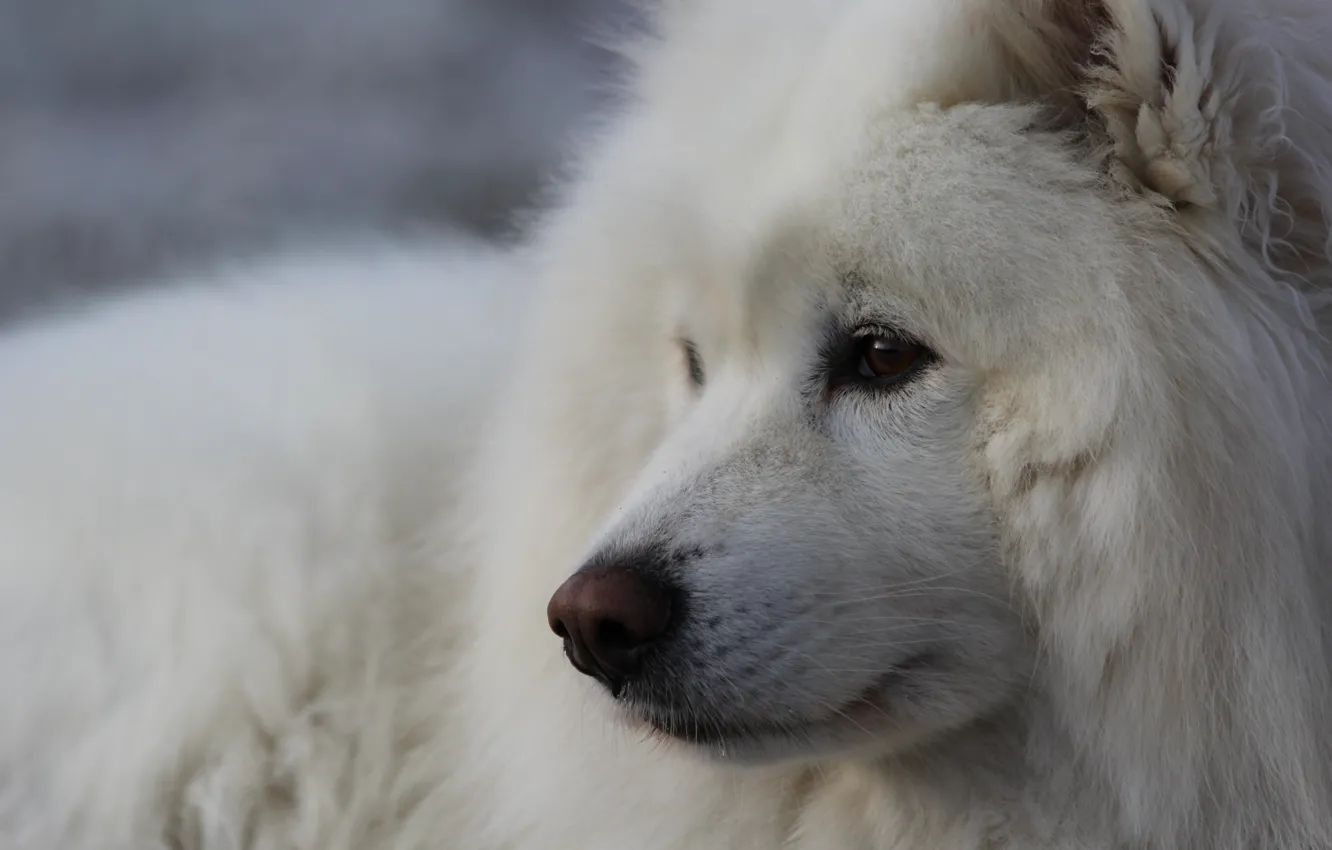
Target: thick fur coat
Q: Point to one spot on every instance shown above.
(276, 547)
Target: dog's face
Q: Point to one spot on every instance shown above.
(812, 559)
(815, 527)
(992, 332)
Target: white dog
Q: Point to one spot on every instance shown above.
(918, 428)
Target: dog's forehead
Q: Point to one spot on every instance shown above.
(968, 212)
(942, 219)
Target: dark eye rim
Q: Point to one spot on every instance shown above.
(694, 362)
(844, 359)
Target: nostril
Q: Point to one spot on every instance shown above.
(557, 626)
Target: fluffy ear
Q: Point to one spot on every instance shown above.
(1221, 109)
(1149, 83)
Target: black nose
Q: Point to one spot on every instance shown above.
(607, 616)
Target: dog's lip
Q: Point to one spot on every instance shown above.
(868, 705)
(711, 733)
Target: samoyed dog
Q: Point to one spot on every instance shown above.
(910, 430)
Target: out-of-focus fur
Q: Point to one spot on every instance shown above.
(274, 559)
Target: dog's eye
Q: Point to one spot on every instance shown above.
(886, 357)
(695, 363)
(880, 360)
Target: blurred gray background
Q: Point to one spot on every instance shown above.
(138, 135)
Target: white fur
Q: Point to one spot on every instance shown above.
(275, 549)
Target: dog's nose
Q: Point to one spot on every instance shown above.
(607, 616)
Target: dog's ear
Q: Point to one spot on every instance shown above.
(1146, 84)
(1217, 108)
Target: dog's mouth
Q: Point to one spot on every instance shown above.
(710, 733)
(867, 713)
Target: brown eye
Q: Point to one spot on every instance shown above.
(887, 357)
(878, 361)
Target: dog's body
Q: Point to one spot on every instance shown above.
(935, 394)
